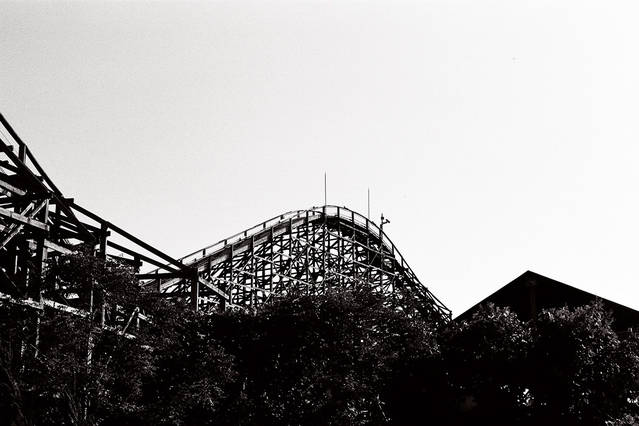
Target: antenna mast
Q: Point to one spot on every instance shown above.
(325, 203)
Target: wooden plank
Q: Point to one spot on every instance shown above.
(131, 238)
(17, 228)
(7, 165)
(23, 219)
(171, 283)
(37, 182)
(5, 298)
(10, 188)
(23, 302)
(161, 276)
(56, 247)
(213, 288)
(71, 225)
(140, 256)
(45, 302)
(65, 308)
(171, 295)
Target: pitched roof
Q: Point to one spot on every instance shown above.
(531, 292)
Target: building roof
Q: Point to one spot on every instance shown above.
(531, 292)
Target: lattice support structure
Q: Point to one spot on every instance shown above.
(306, 251)
(37, 223)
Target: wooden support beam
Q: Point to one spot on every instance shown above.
(140, 256)
(5, 298)
(183, 295)
(7, 165)
(10, 188)
(57, 247)
(16, 228)
(133, 263)
(213, 288)
(195, 292)
(67, 223)
(25, 171)
(51, 246)
(4, 276)
(23, 219)
(131, 238)
(104, 233)
(159, 275)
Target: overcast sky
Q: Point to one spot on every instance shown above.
(496, 136)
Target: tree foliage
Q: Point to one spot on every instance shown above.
(486, 361)
(585, 372)
(566, 366)
(343, 358)
(323, 359)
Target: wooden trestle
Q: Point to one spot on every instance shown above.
(310, 251)
(304, 251)
(38, 223)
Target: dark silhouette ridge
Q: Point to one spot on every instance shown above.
(530, 293)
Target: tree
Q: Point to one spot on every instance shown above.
(191, 373)
(318, 359)
(485, 360)
(342, 357)
(566, 366)
(166, 372)
(582, 370)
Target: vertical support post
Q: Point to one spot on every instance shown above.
(382, 266)
(232, 279)
(41, 255)
(22, 268)
(307, 248)
(24, 273)
(225, 287)
(18, 255)
(104, 233)
(41, 264)
(329, 263)
(253, 300)
(90, 344)
(55, 227)
(368, 252)
(340, 249)
(323, 244)
(353, 250)
(195, 290)
(272, 242)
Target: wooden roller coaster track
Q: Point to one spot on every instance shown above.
(312, 251)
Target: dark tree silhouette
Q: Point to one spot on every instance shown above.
(323, 359)
(582, 370)
(344, 357)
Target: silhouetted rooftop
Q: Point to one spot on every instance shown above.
(530, 292)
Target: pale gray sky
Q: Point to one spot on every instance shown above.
(498, 136)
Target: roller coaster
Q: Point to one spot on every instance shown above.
(312, 251)
(308, 251)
